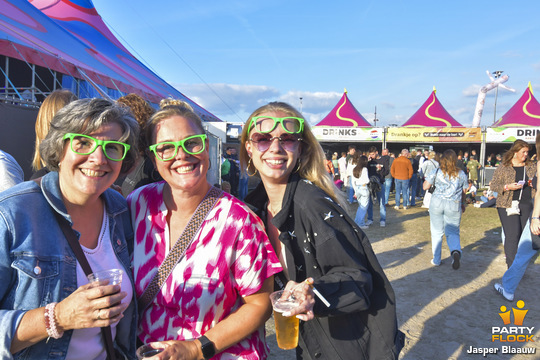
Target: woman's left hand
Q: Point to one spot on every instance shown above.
(304, 293)
(176, 350)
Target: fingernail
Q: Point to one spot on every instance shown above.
(287, 313)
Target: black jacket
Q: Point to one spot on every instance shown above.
(323, 242)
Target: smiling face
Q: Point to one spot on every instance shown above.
(85, 176)
(275, 164)
(183, 172)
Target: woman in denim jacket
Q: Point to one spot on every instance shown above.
(446, 206)
(47, 308)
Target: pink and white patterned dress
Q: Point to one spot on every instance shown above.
(229, 258)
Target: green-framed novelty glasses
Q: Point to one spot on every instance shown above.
(85, 145)
(265, 124)
(167, 150)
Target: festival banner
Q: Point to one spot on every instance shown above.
(434, 134)
(348, 134)
(509, 135)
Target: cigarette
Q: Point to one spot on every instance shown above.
(319, 295)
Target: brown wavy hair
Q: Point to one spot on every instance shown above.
(516, 146)
(448, 163)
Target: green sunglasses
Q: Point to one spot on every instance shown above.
(266, 124)
(85, 145)
(167, 150)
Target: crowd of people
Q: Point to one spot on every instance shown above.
(119, 184)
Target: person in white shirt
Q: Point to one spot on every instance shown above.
(11, 172)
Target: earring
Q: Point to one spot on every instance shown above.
(247, 169)
(298, 165)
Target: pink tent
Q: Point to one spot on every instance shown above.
(525, 112)
(431, 113)
(344, 114)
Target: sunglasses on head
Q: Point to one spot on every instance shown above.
(262, 141)
(266, 124)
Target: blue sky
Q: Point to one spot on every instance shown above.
(234, 56)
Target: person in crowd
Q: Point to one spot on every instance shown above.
(461, 163)
(498, 160)
(473, 166)
(360, 183)
(466, 158)
(317, 240)
(47, 307)
(428, 166)
(329, 165)
(215, 301)
(335, 163)
(11, 172)
(234, 171)
(342, 167)
(413, 182)
(488, 198)
(526, 250)
(515, 195)
(470, 192)
(143, 172)
(401, 171)
(387, 161)
(350, 190)
(376, 173)
(446, 206)
(490, 160)
(50, 106)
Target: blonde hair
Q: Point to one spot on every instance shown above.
(169, 109)
(170, 101)
(312, 159)
(50, 106)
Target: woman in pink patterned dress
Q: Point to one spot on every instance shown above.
(215, 301)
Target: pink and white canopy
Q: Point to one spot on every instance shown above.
(344, 114)
(525, 112)
(432, 114)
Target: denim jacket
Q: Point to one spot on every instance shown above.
(37, 265)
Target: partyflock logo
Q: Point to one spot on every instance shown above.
(512, 333)
(516, 332)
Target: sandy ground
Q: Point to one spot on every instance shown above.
(442, 311)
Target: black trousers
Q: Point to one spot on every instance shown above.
(513, 226)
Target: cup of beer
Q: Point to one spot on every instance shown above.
(286, 326)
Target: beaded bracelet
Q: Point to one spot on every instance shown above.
(50, 322)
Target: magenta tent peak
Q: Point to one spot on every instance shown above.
(431, 114)
(344, 114)
(69, 36)
(525, 112)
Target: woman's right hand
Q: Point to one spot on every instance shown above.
(513, 186)
(91, 306)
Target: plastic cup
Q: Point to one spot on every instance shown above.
(114, 276)
(147, 351)
(286, 326)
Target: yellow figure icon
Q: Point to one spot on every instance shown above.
(505, 315)
(519, 315)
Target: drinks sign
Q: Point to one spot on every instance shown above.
(324, 133)
(509, 135)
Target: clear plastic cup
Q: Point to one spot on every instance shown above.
(114, 276)
(287, 327)
(147, 351)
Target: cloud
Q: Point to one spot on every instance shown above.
(232, 102)
(472, 90)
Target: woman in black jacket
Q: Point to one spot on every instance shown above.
(316, 239)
